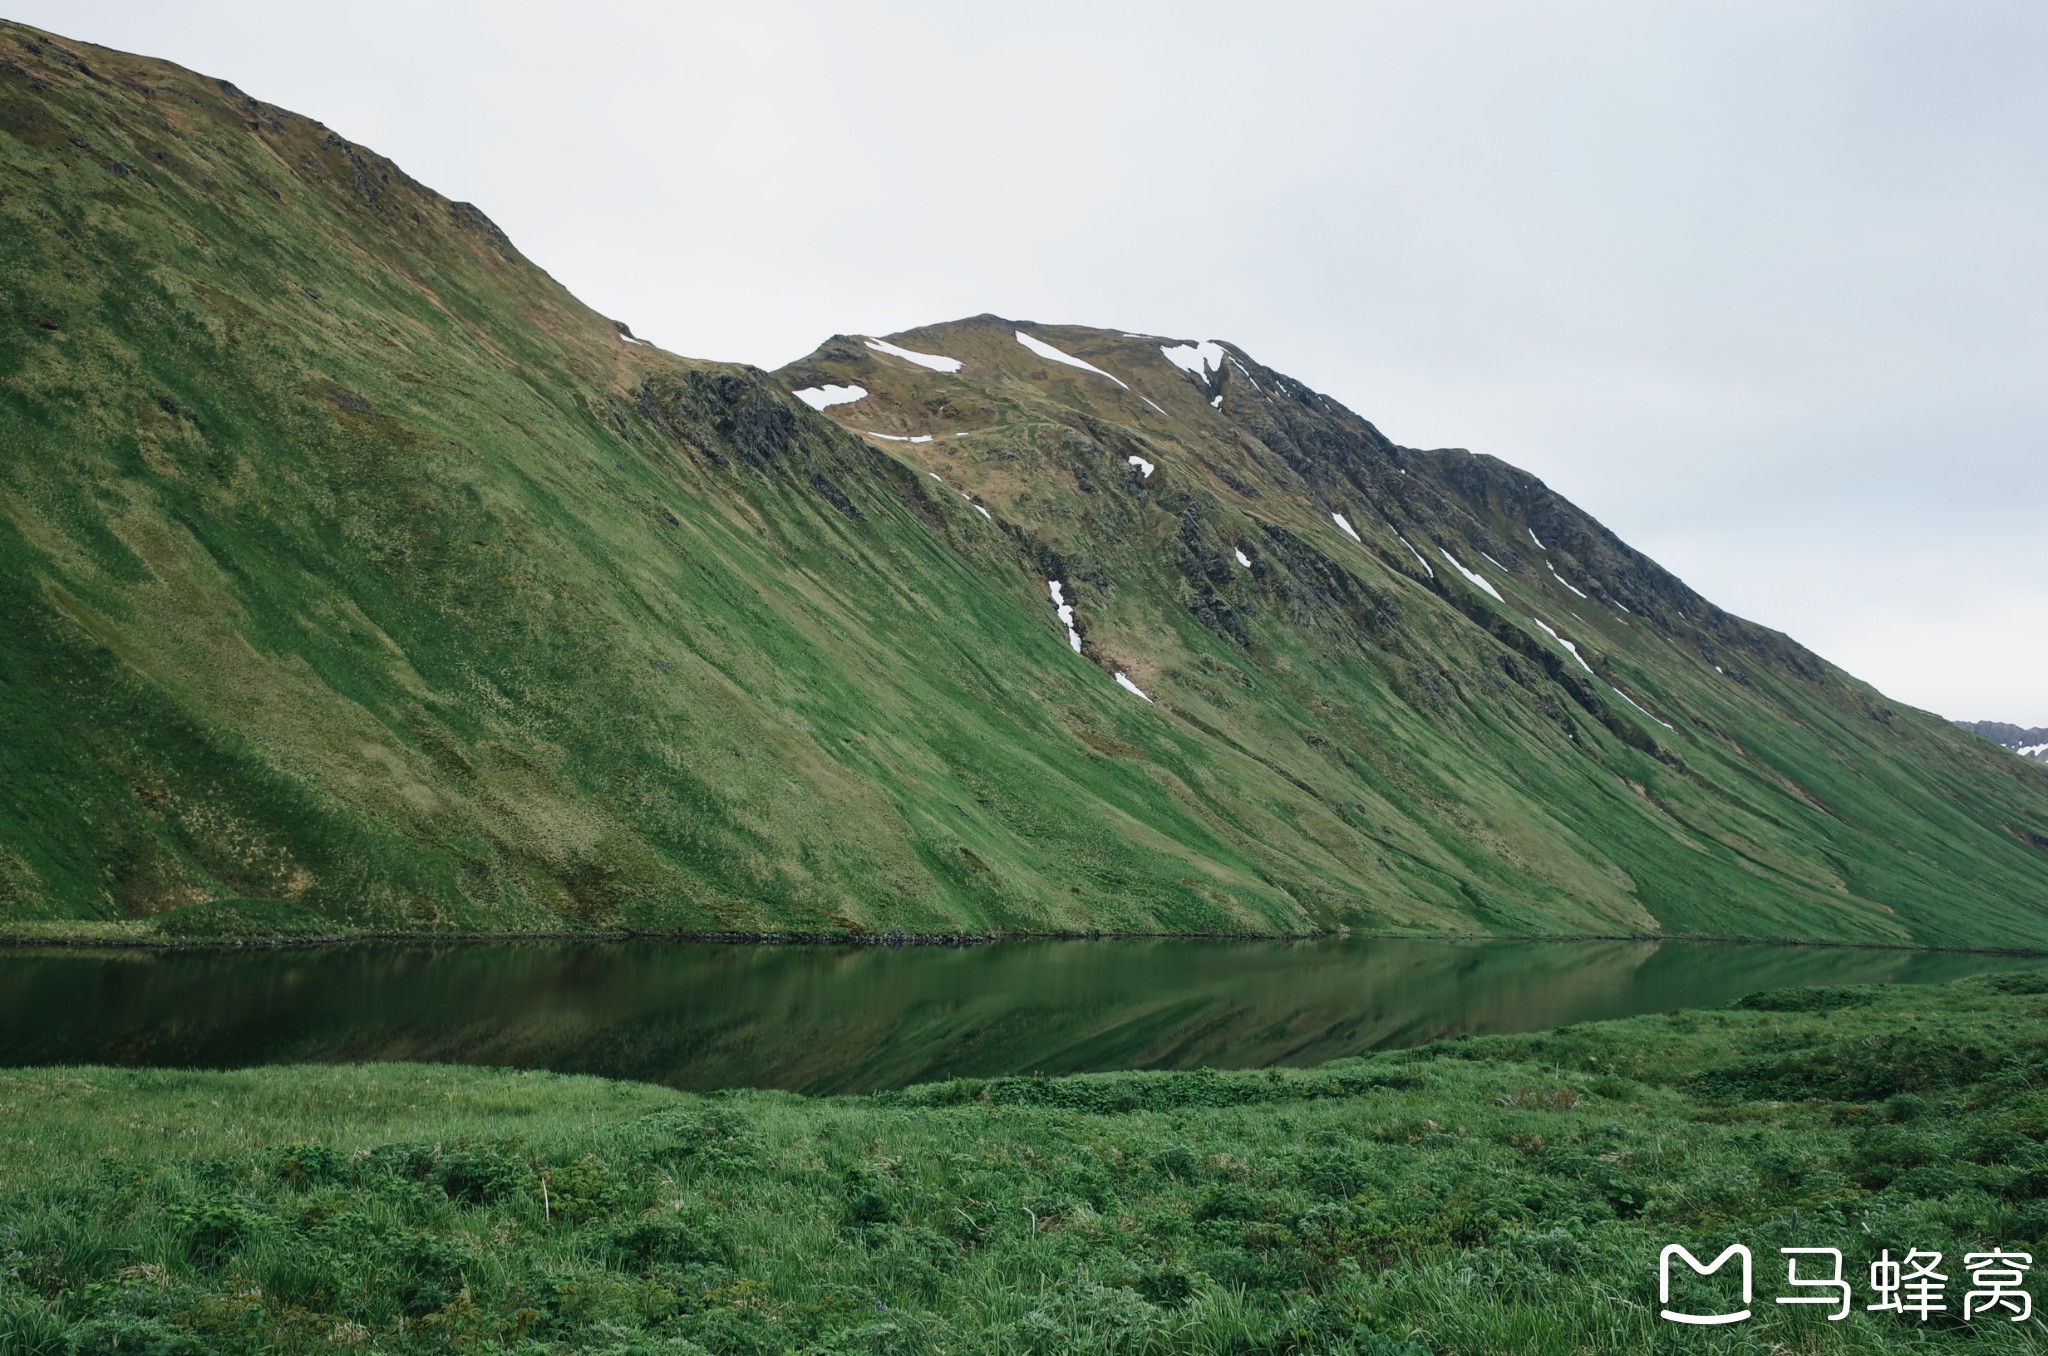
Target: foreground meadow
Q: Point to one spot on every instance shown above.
(1505, 1194)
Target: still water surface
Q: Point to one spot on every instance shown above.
(826, 1019)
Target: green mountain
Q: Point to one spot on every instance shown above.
(353, 575)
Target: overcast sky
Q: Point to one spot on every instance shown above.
(1760, 285)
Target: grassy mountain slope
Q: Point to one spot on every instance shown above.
(349, 564)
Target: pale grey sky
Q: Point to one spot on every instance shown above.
(1761, 285)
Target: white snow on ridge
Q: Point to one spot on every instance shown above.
(1562, 641)
(1051, 354)
(1538, 540)
(1243, 559)
(1413, 552)
(1345, 523)
(1216, 402)
(818, 397)
(1066, 611)
(936, 362)
(1638, 706)
(1496, 564)
(1589, 668)
(1145, 468)
(895, 437)
(1561, 579)
(1197, 360)
(2031, 750)
(1127, 685)
(1478, 580)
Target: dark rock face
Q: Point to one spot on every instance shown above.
(737, 419)
(724, 415)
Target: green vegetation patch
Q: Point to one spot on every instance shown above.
(1477, 1195)
(237, 919)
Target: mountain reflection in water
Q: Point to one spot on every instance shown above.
(826, 1019)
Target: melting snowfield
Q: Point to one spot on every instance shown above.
(1051, 354)
(1066, 611)
(1345, 523)
(1478, 580)
(1561, 579)
(818, 397)
(934, 361)
(1562, 641)
(1413, 552)
(1196, 360)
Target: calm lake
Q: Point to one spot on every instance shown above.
(826, 1019)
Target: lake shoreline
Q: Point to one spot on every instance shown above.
(20, 941)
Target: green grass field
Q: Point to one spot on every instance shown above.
(1474, 1196)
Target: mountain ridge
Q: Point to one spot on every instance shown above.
(2027, 743)
(360, 569)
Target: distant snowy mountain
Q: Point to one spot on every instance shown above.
(2026, 743)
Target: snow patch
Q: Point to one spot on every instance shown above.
(1638, 706)
(1244, 559)
(818, 397)
(984, 513)
(1197, 360)
(1589, 668)
(1145, 468)
(1247, 374)
(1496, 564)
(1345, 523)
(1562, 580)
(1154, 404)
(895, 437)
(1413, 552)
(1538, 540)
(1051, 354)
(1216, 402)
(2031, 750)
(1478, 579)
(1066, 611)
(936, 362)
(1562, 641)
(1127, 685)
